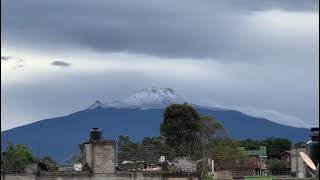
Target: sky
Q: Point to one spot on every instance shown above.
(259, 57)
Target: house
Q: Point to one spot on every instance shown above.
(66, 167)
(285, 156)
(253, 165)
(259, 157)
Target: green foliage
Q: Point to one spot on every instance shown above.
(299, 144)
(16, 157)
(277, 167)
(275, 146)
(250, 144)
(180, 128)
(149, 149)
(226, 153)
(127, 150)
(210, 129)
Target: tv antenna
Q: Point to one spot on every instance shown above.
(310, 166)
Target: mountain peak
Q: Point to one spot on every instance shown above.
(152, 97)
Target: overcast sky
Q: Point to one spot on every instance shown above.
(257, 56)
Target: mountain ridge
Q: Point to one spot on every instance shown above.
(137, 119)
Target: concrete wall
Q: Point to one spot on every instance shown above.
(297, 165)
(88, 154)
(133, 176)
(17, 177)
(226, 175)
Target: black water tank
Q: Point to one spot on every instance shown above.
(313, 146)
(95, 134)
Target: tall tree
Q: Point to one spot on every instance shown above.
(210, 130)
(180, 127)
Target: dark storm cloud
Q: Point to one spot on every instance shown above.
(60, 64)
(195, 29)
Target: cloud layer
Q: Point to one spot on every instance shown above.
(239, 53)
(229, 30)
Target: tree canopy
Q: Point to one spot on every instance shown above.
(180, 128)
(16, 157)
(275, 146)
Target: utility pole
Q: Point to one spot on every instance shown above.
(203, 160)
(189, 149)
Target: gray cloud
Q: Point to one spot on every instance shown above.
(18, 62)
(60, 63)
(289, 5)
(5, 58)
(197, 29)
(285, 80)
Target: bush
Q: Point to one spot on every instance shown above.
(16, 158)
(277, 167)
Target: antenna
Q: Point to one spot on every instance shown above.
(310, 164)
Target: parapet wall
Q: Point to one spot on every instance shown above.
(86, 176)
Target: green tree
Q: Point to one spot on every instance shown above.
(127, 150)
(275, 146)
(226, 153)
(16, 157)
(210, 130)
(180, 128)
(277, 167)
(151, 148)
(250, 144)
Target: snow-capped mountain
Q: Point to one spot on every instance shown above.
(137, 116)
(154, 97)
(146, 98)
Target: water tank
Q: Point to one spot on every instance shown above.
(313, 146)
(95, 134)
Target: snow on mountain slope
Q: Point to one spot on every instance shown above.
(155, 97)
(144, 99)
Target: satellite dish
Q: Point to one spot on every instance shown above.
(308, 161)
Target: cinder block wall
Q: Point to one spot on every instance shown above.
(103, 158)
